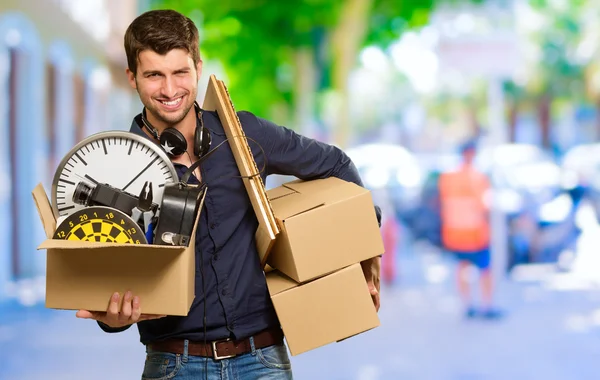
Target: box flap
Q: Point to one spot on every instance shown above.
(44, 209)
(328, 190)
(294, 204)
(280, 191)
(278, 282)
(76, 244)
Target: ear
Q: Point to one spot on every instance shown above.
(131, 78)
(199, 69)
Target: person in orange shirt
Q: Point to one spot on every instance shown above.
(465, 229)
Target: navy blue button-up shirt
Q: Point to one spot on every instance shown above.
(231, 295)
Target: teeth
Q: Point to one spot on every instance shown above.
(171, 103)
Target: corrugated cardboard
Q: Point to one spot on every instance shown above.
(83, 275)
(217, 99)
(323, 311)
(327, 224)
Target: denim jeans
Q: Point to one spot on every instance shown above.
(269, 363)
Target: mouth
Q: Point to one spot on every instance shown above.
(171, 104)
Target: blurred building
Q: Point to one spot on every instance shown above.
(62, 78)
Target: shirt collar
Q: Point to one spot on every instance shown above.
(135, 126)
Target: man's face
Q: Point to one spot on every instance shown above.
(167, 84)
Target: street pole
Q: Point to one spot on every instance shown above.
(497, 136)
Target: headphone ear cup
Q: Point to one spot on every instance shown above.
(202, 140)
(173, 142)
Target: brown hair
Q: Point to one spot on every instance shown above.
(160, 31)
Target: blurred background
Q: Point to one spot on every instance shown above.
(399, 85)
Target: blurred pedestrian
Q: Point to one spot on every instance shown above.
(465, 229)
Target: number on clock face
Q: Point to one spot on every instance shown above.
(120, 159)
(101, 224)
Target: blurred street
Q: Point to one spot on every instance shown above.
(547, 334)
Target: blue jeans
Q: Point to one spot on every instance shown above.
(269, 363)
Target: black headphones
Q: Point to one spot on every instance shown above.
(173, 142)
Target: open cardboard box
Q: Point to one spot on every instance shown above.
(323, 311)
(327, 224)
(84, 275)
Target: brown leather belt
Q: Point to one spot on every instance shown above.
(220, 349)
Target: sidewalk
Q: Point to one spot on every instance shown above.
(547, 335)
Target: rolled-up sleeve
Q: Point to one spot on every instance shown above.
(290, 153)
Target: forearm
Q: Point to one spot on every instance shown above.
(289, 153)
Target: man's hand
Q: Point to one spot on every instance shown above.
(130, 312)
(371, 268)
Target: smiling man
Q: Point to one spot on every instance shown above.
(231, 330)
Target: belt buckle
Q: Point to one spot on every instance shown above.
(214, 348)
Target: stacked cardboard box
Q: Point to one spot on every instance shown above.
(328, 226)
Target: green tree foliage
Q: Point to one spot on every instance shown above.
(255, 40)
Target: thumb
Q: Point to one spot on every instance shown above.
(84, 314)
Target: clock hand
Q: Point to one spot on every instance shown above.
(140, 173)
(91, 179)
(88, 177)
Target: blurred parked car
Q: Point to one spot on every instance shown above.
(581, 174)
(390, 169)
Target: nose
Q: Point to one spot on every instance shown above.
(169, 89)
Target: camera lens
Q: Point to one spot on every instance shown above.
(82, 193)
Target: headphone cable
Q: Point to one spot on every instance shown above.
(186, 176)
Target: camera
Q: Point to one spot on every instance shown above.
(104, 195)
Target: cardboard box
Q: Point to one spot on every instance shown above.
(322, 311)
(327, 224)
(84, 275)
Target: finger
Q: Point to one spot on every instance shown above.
(372, 288)
(137, 310)
(112, 313)
(376, 302)
(126, 307)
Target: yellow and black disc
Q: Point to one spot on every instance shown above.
(101, 224)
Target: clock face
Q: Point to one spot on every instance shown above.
(122, 160)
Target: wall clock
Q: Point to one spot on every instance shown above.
(122, 160)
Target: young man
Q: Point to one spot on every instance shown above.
(466, 228)
(232, 315)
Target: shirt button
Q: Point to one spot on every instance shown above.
(213, 226)
(224, 292)
(216, 257)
